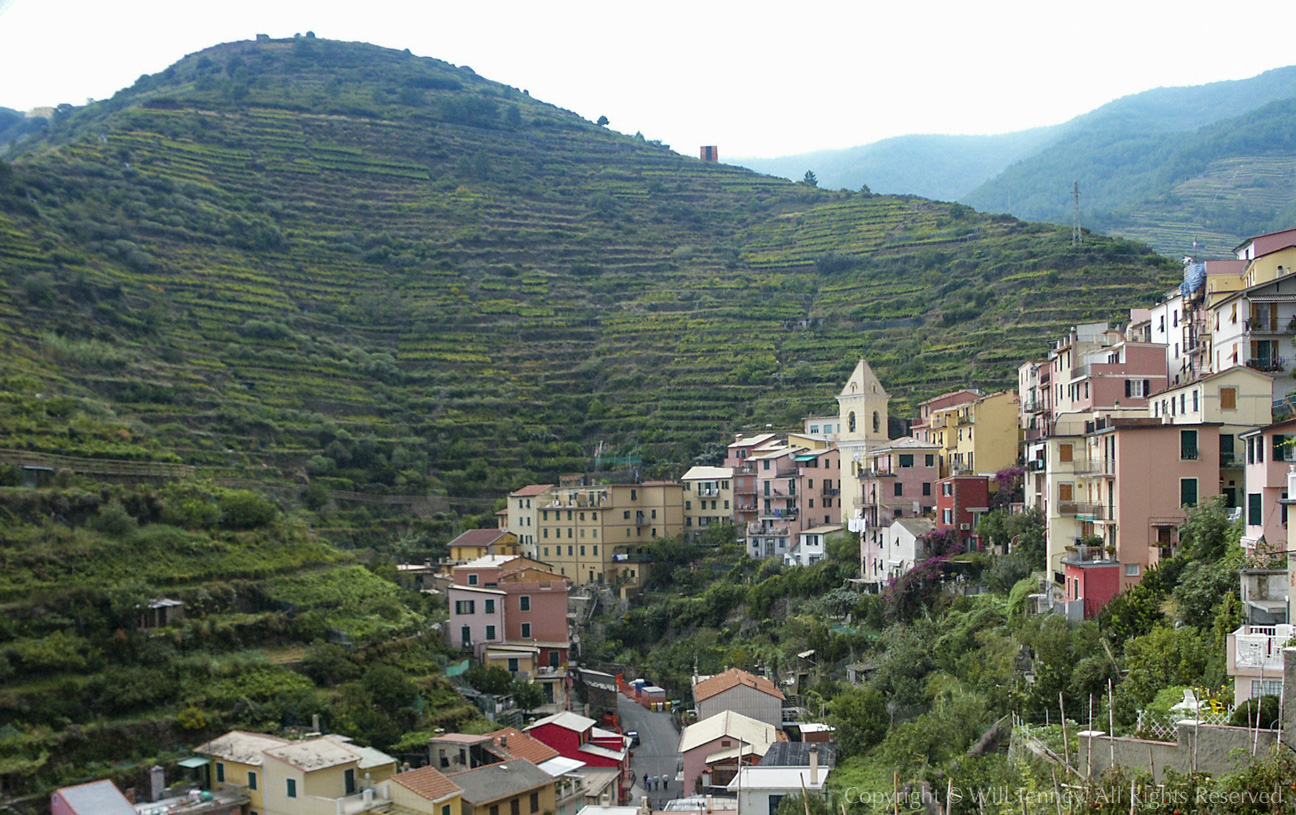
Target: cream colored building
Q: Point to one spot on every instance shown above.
(708, 498)
(980, 436)
(326, 776)
(600, 534)
(238, 759)
(862, 410)
(522, 511)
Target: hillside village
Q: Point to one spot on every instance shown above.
(1111, 441)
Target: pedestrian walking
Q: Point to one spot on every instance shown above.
(645, 780)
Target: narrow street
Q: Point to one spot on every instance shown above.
(656, 753)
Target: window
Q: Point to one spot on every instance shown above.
(1266, 687)
(1065, 452)
(348, 781)
(906, 460)
(524, 601)
(926, 488)
(465, 636)
(1132, 570)
(726, 503)
(535, 802)
(494, 810)
(1254, 515)
(546, 534)
(515, 807)
(512, 665)
(1228, 398)
(526, 630)
(930, 460)
(1284, 448)
(252, 780)
(1187, 492)
(1196, 401)
(569, 551)
(688, 504)
(1066, 492)
(220, 772)
(490, 605)
(850, 421)
(582, 550)
(811, 506)
(445, 809)
(465, 606)
(490, 632)
(472, 579)
(627, 515)
(947, 488)
(947, 516)
(292, 787)
(877, 421)
(1137, 387)
(899, 489)
(1188, 445)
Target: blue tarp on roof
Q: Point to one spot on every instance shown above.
(1194, 277)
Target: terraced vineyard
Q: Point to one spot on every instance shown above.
(313, 261)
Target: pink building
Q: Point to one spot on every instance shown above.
(1268, 454)
(1153, 473)
(1122, 375)
(961, 500)
(899, 481)
(713, 749)
(476, 616)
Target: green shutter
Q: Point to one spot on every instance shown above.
(1187, 492)
(1254, 517)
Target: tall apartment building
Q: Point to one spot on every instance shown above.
(523, 507)
(600, 534)
(708, 498)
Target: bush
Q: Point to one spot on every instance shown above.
(1245, 714)
(245, 509)
(113, 519)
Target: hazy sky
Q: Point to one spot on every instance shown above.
(754, 78)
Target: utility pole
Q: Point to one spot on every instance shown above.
(1075, 226)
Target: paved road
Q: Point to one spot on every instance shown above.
(656, 753)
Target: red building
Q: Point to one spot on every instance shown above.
(1089, 584)
(576, 737)
(961, 500)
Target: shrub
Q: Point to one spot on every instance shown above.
(245, 509)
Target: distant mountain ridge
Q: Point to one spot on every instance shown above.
(1129, 156)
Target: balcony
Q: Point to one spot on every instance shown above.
(1269, 364)
(778, 514)
(641, 520)
(1264, 325)
(830, 491)
(1094, 512)
(1259, 647)
(708, 492)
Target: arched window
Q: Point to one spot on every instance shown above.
(877, 421)
(850, 421)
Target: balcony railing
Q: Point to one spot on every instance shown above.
(779, 514)
(830, 491)
(1271, 364)
(640, 520)
(1260, 646)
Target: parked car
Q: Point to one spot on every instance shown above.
(634, 737)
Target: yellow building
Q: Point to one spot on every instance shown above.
(599, 535)
(708, 498)
(979, 436)
(428, 791)
(325, 776)
(515, 787)
(237, 760)
(477, 543)
(862, 413)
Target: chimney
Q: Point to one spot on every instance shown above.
(504, 740)
(157, 783)
(405, 767)
(814, 765)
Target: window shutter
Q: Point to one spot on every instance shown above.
(1278, 441)
(1129, 388)
(1147, 388)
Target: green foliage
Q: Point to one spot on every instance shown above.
(245, 509)
(1207, 534)
(798, 804)
(1163, 657)
(861, 718)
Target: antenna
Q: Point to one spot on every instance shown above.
(1075, 227)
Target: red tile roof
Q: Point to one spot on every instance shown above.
(521, 745)
(732, 678)
(531, 490)
(427, 782)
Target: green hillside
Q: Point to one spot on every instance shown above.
(322, 261)
(1168, 166)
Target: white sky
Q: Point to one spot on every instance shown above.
(754, 78)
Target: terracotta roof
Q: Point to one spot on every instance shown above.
(520, 745)
(732, 678)
(479, 537)
(658, 484)
(427, 782)
(531, 490)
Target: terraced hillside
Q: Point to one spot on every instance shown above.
(331, 263)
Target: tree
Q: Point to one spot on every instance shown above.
(602, 121)
(1207, 533)
(527, 696)
(810, 178)
(860, 716)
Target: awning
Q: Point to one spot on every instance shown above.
(193, 763)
